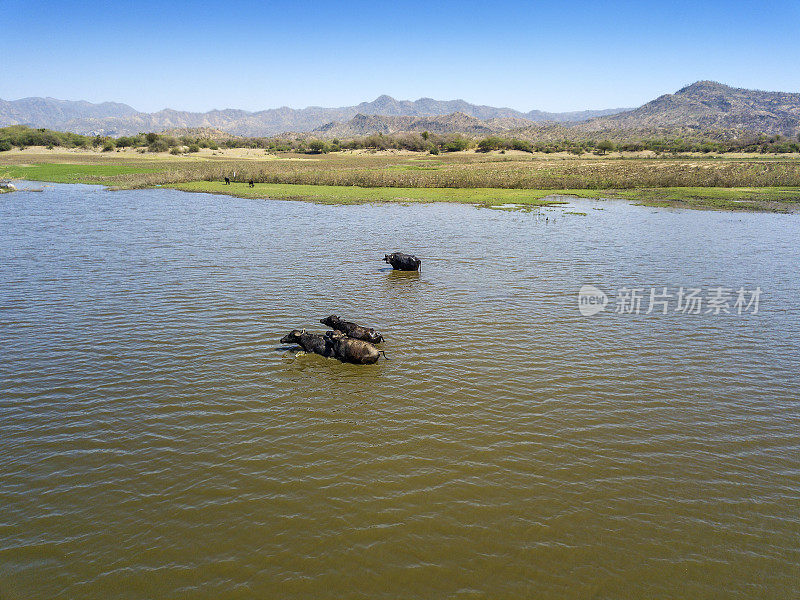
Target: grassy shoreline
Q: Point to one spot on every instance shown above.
(331, 194)
(742, 183)
(732, 199)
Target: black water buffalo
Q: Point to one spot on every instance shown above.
(403, 262)
(310, 342)
(353, 351)
(352, 330)
(335, 344)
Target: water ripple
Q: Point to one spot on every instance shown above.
(156, 440)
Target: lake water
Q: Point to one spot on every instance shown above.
(157, 441)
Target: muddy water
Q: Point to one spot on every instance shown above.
(157, 441)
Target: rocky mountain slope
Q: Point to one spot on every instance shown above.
(710, 106)
(457, 122)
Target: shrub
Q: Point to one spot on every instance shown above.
(376, 141)
(176, 150)
(781, 148)
(521, 145)
(158, 146)
(456, 145)
(194, 148)
(5, 145)
(490, 143)
(109, 146)
(317, 147)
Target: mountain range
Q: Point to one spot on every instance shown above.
(115, 119)
(702, 107)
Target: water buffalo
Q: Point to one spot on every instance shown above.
(403, 262)
(310, 342)
(353, 351)
(352, 330)
(335, 344)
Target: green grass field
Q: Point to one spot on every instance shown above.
(70, 173)
(331, 194)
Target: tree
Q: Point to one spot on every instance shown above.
(317, 147)
(605, 146)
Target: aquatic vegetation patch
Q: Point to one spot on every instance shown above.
(770, 199)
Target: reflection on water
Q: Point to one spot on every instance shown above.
(157, 440)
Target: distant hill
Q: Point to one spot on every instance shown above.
(119, 119)
(51, 112)
(457, 122)
(709, 106)
(424, 107)
(208, 133)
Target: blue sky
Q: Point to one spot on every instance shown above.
(255, 55)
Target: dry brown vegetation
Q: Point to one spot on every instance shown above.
(476, 171)
(630, 173)
(457, 170)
